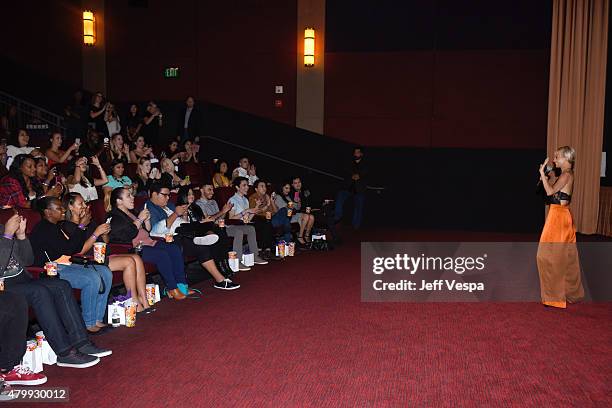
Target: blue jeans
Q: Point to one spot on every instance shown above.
(169, 260)
(359, 200)
(280, 219)
(89, 280)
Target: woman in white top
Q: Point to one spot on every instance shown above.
(80, 182)
(20, 146)
(112, 120)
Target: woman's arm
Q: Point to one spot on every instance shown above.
(133, 158)
(556, 186)
(103, 177)
(94, 114)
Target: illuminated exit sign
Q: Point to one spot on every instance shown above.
(171, 72)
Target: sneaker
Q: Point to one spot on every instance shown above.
(226, 284)
(243, 267)
(22, 375)
(77, 359)
(93, 350)
(206, 240)
(259, 261)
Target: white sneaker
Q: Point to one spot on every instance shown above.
(209, 239)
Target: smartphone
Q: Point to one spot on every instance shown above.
(106, 140)
(108, 220)
(77, 141)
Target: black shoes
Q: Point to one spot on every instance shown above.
(76, 359)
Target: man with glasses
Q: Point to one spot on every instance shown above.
(165, 218)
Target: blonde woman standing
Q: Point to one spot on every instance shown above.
(557, 258)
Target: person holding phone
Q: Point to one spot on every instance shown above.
(81, 181)
(55, 155)
(146, 176)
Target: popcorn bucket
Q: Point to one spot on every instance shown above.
(291, 249)
(1, 284)
(221, 223)
(268, 215)
(150, 290)
(130, 315)
(51, 268)
(99, 252)
(169, 237)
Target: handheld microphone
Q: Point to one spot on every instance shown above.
(548, 169)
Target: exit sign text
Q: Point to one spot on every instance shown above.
(171, 72)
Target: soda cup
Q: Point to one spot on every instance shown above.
(169, 237)
(222, 223)
(268, 215)
(51, 269)
(40, 337)
(1, 284)
(291, 251)
(99, 251)
(289, 212)
(245, 218)
(150, 289)
(308, 210)
(290, 204)
(130, 314)
(281, 249)
(232, 255)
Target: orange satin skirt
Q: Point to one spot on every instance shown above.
(558, 263)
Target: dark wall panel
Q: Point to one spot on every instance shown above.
(490, 99)
(231, 53)
(379, 98)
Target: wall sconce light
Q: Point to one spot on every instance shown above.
(89, 28)
(309, 47)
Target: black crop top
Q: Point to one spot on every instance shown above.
(557, 197)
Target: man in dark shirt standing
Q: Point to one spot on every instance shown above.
(355, 188)
(189, 121)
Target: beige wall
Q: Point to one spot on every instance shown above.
(310, 97)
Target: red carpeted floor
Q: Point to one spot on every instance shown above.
(297, 335)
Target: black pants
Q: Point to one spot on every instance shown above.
(265, 232)
(203, 253)
(57, 312)
(13, 326)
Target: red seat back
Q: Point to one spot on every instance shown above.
(194, 171)
(223, 194)
(98, 211)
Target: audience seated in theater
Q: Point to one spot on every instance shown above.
(113, 123)
(188, 153)
(78, 216)
(278, 216)
(92, 145)
(116, 179)
(152, 123)
(134, 123)
(97, 110)
(301, 204)
(220, 178)
(51, 240)
(169, 178)
(51, 299)
(146, 176)
(166, 218)
(171, 151)
(264, 207)
(55, 155)
(282, 199)
(13, 326)
(126, 228)
(141, 150)
(195, 223)
(116, 150)
(245, 169)
(18, 145)
(81, 181)
(240, 211)
(19, 188)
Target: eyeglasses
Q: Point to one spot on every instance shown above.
(164, 194)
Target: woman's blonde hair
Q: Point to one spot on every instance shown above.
(569, 153)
